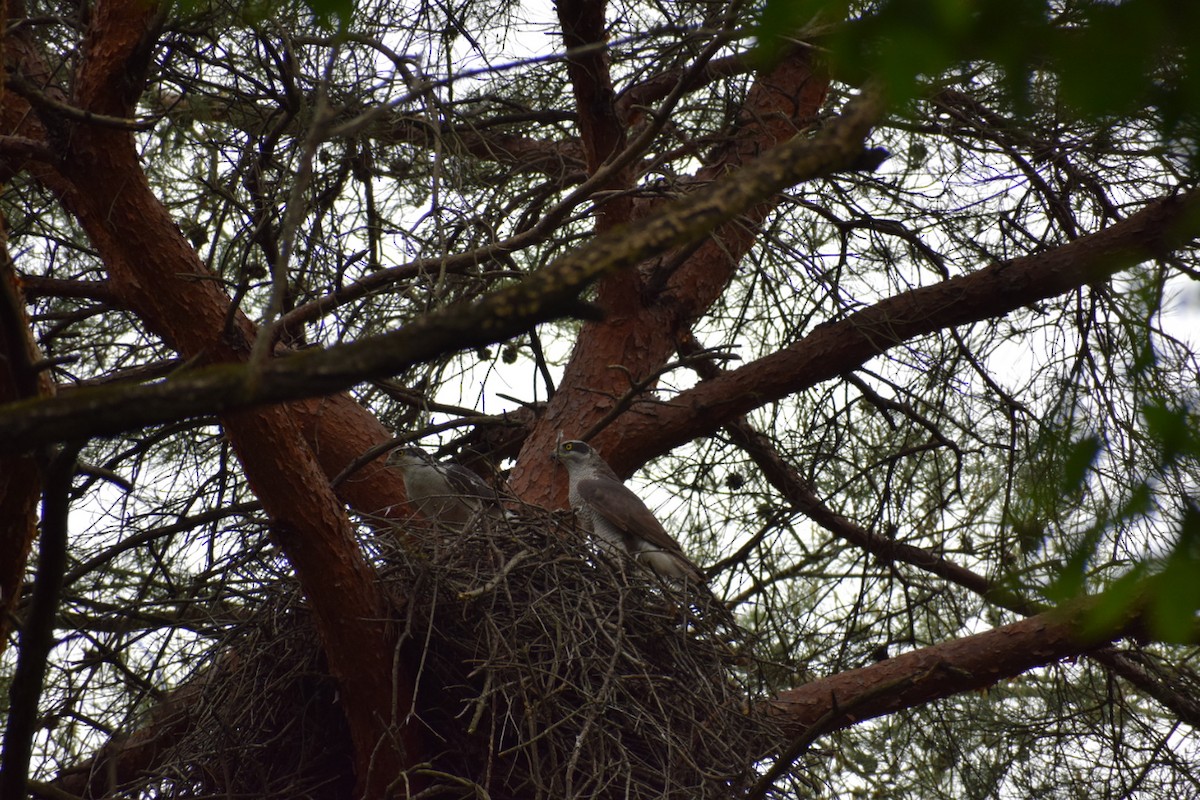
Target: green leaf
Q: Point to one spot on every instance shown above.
(1176, 595)
(1175, 600)
(1070, 580)
(1104, 64)
(1169, 427)
(781, 19)
(330, 10)
(1114, 605)
(1077, 462)
(1101, 58)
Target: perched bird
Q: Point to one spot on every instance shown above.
(443, 491)
(618, 518)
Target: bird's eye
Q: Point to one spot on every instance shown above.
(568, 446)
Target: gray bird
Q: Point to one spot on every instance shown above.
(617, 516)
(443, 491)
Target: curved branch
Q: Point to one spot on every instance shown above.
(837, 347)
(595, 102)
(49, 105)
(37, 634)
(659, 86)
(785, 479)
(548, 294)
(887, 550)
(675, 290)
(20, 474)
(944, 670)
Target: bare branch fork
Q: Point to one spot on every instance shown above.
(548, 294)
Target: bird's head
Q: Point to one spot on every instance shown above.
(574, 453)
(405, 457)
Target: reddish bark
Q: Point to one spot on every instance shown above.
(310, 525)
(601, 132)
(659, 85)
(288, 451)
(835, 348)
(20, 474)
(918, 677)
(154, 271)
(649, 309)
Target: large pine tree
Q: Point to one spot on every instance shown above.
(889, 314)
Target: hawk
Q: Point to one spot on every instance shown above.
(617, 517)
(443, 491)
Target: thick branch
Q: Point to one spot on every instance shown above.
(601, 132)
(36, 286)
(114, 57)
(595, 102)
(20, 475)
(155, 272)
(641, 332)
(888, 550)
(547, 294)
(37, 633)
(640, 95)
(921, 676)
(834, 348)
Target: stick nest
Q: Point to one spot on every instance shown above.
(544, 670)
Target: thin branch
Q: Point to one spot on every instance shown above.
(834, 348)
(28, 148)
(42, 101)
(550, 293)
(803, 499)
(35, 286)
(37, 634)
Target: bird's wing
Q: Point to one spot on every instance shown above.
(617, 503)
(466, 483)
